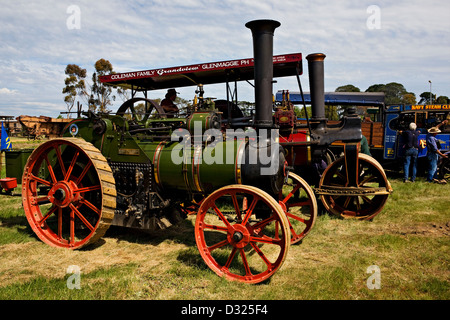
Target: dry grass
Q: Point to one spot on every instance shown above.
(409, 241)
(22, 262)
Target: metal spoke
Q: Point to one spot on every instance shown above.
(221, 216)
(266, 239)
(37, 179)
(262, 255)
(60, 161)
(50, 169)
(214, 227)
(72, 165)
(230, 259)
(82, 218)
(48, 214)
(72, 227)
(87, 189)
(236, 206)
(85, 170)
(245, 262)
(218, 245)
(250, 210)
(91, 206)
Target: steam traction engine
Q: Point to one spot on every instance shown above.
(353, 186)
(146, 170)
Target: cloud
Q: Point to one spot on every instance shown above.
(6, 91)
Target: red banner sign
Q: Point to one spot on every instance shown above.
(204, 67)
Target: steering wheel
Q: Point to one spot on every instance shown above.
(139, 117)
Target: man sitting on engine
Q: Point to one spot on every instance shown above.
(170, 108)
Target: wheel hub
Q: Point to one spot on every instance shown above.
(63, 193)
(60, 194)
(238, 236)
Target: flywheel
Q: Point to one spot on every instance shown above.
(68, 193)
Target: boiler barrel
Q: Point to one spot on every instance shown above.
(197, 169)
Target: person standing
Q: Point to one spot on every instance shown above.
(410, 137)
(365, 146)
(433, 154)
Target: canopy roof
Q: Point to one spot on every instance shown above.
(204, 73)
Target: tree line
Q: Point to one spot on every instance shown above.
(395, 93)
(98, 96)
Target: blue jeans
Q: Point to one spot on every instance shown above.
(432, 166)
(410, 156)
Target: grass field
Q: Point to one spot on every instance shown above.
(407, 244)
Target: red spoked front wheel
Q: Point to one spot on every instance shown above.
(68, 193)
(242, 233)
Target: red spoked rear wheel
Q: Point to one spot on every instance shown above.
(68, 193)
(300, 205)
(242, 233)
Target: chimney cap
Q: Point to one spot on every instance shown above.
(263, 22)
(316, 57)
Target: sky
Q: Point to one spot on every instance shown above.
(365, 43)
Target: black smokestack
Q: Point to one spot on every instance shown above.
(316, 85)
(262, 31)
